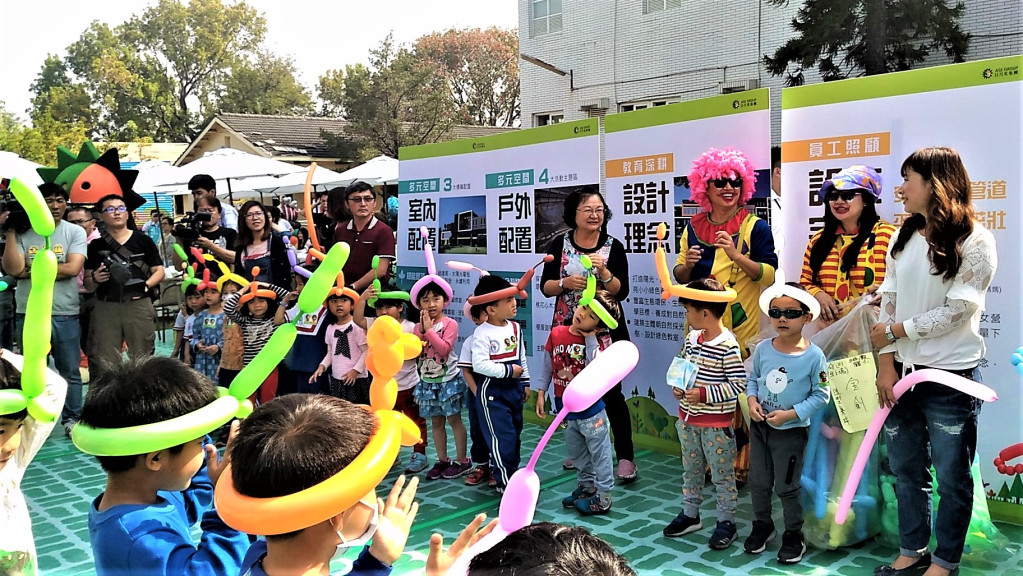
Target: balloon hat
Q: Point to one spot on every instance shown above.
(520, 496)
(516, 291)
(669, 289)
(256, 291)
(340, 289)
(780, 289)
(590, 291)
(232, 402)
(389, 347)
(227, 276)
(392, 295)
(431, 276)
(466, 267)
(36, 345)
(964, 385)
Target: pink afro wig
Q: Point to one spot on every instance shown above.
(727, 163)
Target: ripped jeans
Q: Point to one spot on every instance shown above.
(934, 415)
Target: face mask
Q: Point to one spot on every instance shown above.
(361, 541)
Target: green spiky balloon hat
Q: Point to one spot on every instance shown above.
(89, 176)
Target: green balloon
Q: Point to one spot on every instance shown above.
(36, 341)
(320, 283)
(251, 376)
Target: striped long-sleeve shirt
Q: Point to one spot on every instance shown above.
(257, 332)
(869, 269)
(720, 378)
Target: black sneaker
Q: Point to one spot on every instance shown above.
(723, 536)
(793, 546)
(682, 525)
(762, 533)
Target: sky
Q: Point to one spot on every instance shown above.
(319, 34)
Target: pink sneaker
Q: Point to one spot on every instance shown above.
(626, 471)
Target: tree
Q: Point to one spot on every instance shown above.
(265, 86)
(397, 101)
(865, 37)
(38, 143)
(482, 72)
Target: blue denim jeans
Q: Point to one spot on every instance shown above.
(934, 415)
(65, 342)
(589, 445)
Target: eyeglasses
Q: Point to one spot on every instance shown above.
(115, 209)
(591, 211)
(722, 182)
(790, 314)
(254, 215)
(362, 199)
(846, 195)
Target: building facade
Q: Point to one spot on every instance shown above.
(585, 58)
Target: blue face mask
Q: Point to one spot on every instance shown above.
(362, 540)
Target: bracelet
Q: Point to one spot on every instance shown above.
(610, 277)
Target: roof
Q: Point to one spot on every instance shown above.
(300, 135)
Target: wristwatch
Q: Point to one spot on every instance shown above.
(561, 283)
(888, 333)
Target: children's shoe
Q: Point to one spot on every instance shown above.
(723, 536)
(416, 464)
(593, 505)
(479, 475)
(68, 426)
(499, 490)
(492, 483)
(682, 525)
(793, 546)
(568, 464)
(763, 532)
(457, 469)
(438, 469)
(626, 471)
(578, 494)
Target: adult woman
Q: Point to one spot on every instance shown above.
(586, 214)
(940, 265)
(728, 243)
(847, 256)
(257, 246)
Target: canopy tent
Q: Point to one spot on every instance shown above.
(295, 183)
(14, 166)
(378, 172)
(232, 165)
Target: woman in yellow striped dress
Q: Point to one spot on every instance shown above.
(848, 255)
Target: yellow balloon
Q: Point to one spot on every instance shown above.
(411, 345)
(382, 395)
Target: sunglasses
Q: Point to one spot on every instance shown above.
(846, 195)
(790, 314)
(722, 182)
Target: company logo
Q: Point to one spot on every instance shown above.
(744, 103)
(581, 130)
(1002, 72)
(479, 145)
(988, 72)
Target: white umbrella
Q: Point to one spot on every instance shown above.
(378, 171)
(230, 164)
(295, 183)
(157, 176)
(14, 166)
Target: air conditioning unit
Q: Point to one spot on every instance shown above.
(733, 86)
(595, 104)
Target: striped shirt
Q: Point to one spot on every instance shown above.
(256, 332)
(869, 269)
(720, 378)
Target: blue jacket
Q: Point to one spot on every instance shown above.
(365, 565)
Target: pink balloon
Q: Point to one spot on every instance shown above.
(600, 375)
(519, 501)
(457, 265)
(964, 385)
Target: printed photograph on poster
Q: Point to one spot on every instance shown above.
(463, 225)
(550, 211)
(686, 208)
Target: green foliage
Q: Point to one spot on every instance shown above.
(266, 86)
(844, 38)
(38, 143)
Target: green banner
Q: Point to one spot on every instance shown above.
(552, 133)
(712, 107)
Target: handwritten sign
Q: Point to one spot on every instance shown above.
(853, 386)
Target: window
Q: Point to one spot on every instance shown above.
(646, 104)
(650, 6)
(548, 119)
(546, 17)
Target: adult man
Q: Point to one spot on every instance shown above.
(68, 243)
(366, 235)
(82, 216)
(152, 228)
(205, 185)
(213, 238)
(122, 266)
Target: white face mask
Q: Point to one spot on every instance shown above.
(361, 541)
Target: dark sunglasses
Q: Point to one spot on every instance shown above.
(846, 195)
(790, 314)
(722, 182)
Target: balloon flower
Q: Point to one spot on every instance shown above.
(669, 289)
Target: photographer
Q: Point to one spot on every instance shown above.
(204, 231)
(68, 243)
(122, 267)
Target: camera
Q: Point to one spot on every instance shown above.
(119, 269)
(190, 224)
(17, 220)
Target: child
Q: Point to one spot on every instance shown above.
(788, 385)
(441, 391)
(255, 309)
(479, 452)
(194, 302)
(232, 357)
(345, 361)
(706, 404)
(21, 437)
(547, 548)
(141, 523)
(408, 377)
(208, 333)
(499, 357)
(309, 348)
(567, 351)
